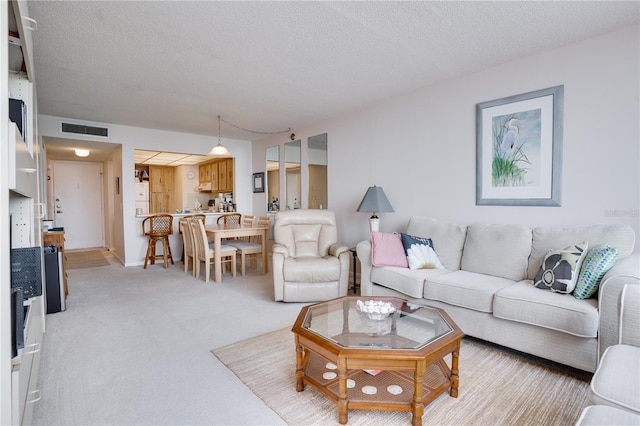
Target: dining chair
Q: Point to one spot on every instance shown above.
(158, 228)
(200, 216)
(188, 255)
(229, 219)
(205, 253)
(249, 250)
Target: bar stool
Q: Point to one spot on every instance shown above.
(158, 228)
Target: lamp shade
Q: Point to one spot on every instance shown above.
(375, 201)
(220, 151)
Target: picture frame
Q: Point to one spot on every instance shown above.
(258, 182)
(519, 149)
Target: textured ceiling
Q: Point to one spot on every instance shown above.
(271, 66)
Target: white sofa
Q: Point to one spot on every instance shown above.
(486, 286)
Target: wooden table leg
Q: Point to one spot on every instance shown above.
(265, 236)
(217, 259)
(299, 366)
(418, 406)
(343, 415)
(454, 372)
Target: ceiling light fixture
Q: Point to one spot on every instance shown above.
(219, 150)
(82, 152)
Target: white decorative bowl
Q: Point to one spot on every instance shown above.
(376, 310)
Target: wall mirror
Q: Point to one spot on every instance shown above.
(273, 178)
(292, 158)
(317, 154)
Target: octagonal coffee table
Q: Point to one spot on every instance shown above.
(396, 363)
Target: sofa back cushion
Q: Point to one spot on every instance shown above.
(447, 237)
(545, 239)
(498, 250)
(306, 233)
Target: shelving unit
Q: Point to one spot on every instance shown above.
(20, 198)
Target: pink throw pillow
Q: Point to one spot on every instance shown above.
(387, 250)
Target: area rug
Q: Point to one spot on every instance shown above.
(497, 387)
(85, 259)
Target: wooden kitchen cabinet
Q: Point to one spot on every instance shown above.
(161, 202)
(222, 176)
(204, 174)
(229, 174)
(215, 182)
(161, 189)
(161, 179)
(225, 175)
(56, 238)
(219, 173)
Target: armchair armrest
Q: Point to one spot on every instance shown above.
(280, 249)
(363, 250)
(625, 272)
(337, 249)
(279, 253)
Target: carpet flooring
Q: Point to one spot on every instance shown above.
(85, 259)
(497, 387)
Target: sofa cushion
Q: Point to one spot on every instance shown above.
(524, 303)
(448, 238)
(498, 250)
(311, 269)
(420, 253)
(387, 250)
(619, 236)
(616, 381)
(596, 263)
(404, 280)
(560, 268)
(306, 238)
(465, 289)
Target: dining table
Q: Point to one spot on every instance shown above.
(227, 230)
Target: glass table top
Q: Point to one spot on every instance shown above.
(342, 321)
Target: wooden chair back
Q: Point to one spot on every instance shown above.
(247, 220)
(157, 225)
(200, 216)
(230, 218)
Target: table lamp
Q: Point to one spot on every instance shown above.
(375, 201)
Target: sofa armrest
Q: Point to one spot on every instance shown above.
(280, 252)
(625, 272)
(337, 249)
(363, 250)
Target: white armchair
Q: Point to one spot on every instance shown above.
(308, 263)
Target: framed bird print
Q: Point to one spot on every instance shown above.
(519, 149)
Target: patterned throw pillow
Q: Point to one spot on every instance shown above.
(420, 253)
(387, 250)
(560, 268)
(596, 263)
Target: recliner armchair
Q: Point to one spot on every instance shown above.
(308, 263)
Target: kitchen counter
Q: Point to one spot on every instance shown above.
(207, 213)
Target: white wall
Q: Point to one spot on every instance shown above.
(421, 146)
(127, 238)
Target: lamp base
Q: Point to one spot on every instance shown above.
(374, 224)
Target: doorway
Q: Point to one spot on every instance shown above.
(78, 203)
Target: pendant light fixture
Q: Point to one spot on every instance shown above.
(219, 150)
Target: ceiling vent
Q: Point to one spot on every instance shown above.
(81, 129)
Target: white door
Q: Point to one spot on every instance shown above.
(77, 203)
